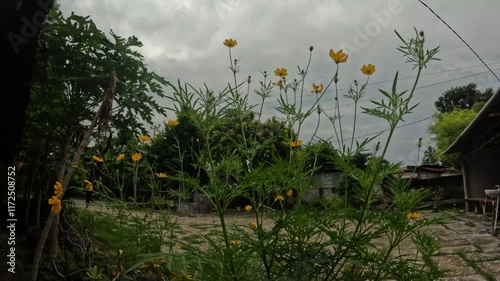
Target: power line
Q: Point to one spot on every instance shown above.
(460, 39)
(420, 87)
(406, 78)
(382, 131)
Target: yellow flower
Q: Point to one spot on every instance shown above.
(413, 215)
(230, 43)
(296, 143)
(234, 242)
(248, 207)
(178, 246)
(136, 156)
(184, 276)
(279, 197)
(56, 204)
(317, 89)
(279, 84)
(120, 251)
(338, 57)
(161, 175)
(144, 138)
(368, 69)
(89, 185)
(120, 156)
(289, 193)
(97, 158)
(254, 224)
(238, 208)
(281, 72)
(58, 188)
(173, 122)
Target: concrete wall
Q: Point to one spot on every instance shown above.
(483, 171)
(327, 185)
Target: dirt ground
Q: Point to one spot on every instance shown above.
(468, 251)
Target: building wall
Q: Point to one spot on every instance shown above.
(483, 171)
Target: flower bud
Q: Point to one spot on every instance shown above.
(311, 48)
(419, 142)
(318, 109)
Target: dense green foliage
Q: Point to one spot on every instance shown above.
(446, 127)
(458, 98)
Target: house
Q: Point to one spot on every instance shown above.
(479, 145)
(436, 178)
(328, 182)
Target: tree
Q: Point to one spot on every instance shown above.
(463, 97)
(19, 41)
(446, 127)
(430, 156)
(76, 61)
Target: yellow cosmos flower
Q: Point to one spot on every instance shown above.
(279, 197)
(89, 185)
(289, 193)
(230, 43)
(317, 89)
(144, 138)
(136, 156)
(97, 158)
(58, 188)
(161, 175)
(338, 57)
(296, 143)
(281, 72)
(173, 122)
(120, 156)
(248, 207)
(235, 242)
(56, 204)
(413, 215)
(368, 69)
(254, 224)
(279, 84)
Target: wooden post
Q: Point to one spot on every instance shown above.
(466, 184)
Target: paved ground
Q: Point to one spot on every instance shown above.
(469, 252)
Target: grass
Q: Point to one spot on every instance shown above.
(489, 276)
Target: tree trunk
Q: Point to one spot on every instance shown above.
(67, 178)
(54, 233)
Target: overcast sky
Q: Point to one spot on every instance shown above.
(183, 40)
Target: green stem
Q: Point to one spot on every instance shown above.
(261, 106)
(233, 69)
(317, 125)
(354, 123)
(304, 78)
(220, 211)
(338, 108)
